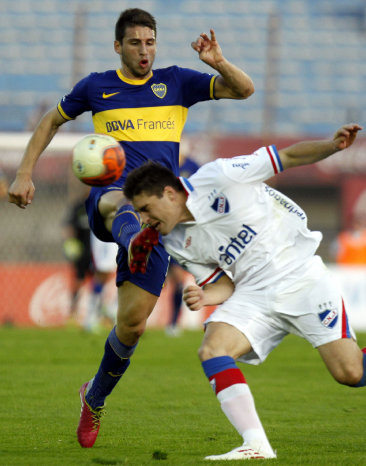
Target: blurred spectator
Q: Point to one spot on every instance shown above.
(104, 262)
(94, 262)
(3, 184)
(176, 275)
(77, 250)
(350, 246)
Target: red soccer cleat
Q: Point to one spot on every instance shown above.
(89, 423)
(140, 248)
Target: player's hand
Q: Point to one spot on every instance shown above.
(346, 135)
(208, 49)
(140, 248)
(21, 191)
(193, 296)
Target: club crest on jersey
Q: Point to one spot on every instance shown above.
(328, 317)
(159, 90)
(221, 205)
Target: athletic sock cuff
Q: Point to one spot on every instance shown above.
(122, 350)
(214, 365)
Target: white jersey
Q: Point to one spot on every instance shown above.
(242, 226)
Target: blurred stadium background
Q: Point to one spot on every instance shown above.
(308, 63)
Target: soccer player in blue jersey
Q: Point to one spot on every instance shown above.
(145, 110)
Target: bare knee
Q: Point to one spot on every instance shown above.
(349, 375)
(131, 323)
(344, 360)
(108, 206)
(134, 307)
(206, 351)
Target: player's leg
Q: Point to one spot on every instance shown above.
(322, 319)
(124, 224)
(221, 346)
(134, 307)
(137, 295)
(345, 361)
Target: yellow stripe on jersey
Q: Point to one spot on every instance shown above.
(212, 84)
(142, 124)
(62, 113)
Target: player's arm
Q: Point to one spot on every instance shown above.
(21, 191)
(233, 83)
(196, 297)
(307, 152)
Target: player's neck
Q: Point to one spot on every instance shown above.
(126, 75)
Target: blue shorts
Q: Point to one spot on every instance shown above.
(154, 278)
(157, 267)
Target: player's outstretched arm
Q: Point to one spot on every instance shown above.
(196, 297)
(307, 152)
(21, 191)
(233, 83)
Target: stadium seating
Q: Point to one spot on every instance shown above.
(313, 80)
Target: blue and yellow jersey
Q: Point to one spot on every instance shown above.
(147, 117)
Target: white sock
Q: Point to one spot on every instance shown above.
(238, 405)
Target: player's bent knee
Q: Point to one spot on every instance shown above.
(206, 352)
(129, 333)
(349, 376)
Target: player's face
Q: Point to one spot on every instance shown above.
(159, 212)
(137, 52)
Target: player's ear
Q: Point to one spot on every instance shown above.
(117, 47)
(169, 192)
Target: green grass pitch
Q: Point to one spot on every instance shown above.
(163, 411)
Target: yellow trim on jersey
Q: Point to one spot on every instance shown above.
(63, 114)
(135, 82)
(164, 123)
(212, 87)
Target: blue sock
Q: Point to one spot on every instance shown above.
(362, 382)
(125, 224)
(115, 362)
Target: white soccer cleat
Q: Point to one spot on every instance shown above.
(245, 452)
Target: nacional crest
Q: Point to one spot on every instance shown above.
(159, 90)
(328, 317)
(221, 204)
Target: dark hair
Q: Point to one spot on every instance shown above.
(150, 178)
(133, 17)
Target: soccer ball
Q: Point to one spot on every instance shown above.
(98, 160)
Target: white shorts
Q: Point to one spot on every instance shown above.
(103, 254)
(306, 303)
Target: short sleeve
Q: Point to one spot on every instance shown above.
(204, 274)
(76, 101)
(196, 86)
(257, 167)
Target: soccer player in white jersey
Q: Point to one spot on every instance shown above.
(224, 221)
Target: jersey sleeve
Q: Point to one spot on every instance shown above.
(196, 86)
(259, 166)
(203, 274)
(76, 101)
